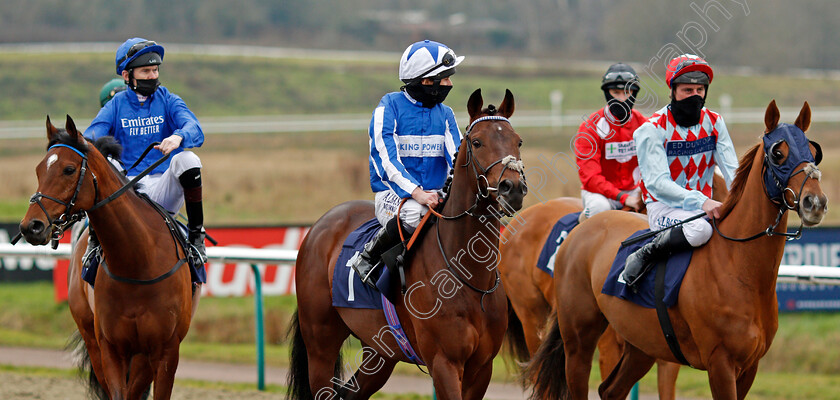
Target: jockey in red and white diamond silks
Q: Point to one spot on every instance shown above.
(678, 149)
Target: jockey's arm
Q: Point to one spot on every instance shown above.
(588, 159)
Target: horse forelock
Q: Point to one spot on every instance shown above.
(490, 110)
(66, 139)
(739, 184)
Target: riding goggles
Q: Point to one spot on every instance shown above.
(137, 47)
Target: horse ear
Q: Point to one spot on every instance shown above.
(474, 104)
(803, 121)
(70, 126)
(52, 131)
(771, 117)
(506, 109)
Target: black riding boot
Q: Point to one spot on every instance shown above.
(191, 182)
(90, 259)
(662, 246)
(196, 238)
(367, 261)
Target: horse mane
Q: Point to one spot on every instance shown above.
(739, 184)
(109, 147)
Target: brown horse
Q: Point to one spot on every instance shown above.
(131, 325)
(531, 290)
(726, 314)
(455, 320)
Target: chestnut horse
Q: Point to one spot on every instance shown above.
(726, 314)
(454, 320)
(133, 322)
(531, 290)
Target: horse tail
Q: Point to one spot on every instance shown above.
(76, 345)
(546, 372)
(298, 378)
(515, 343)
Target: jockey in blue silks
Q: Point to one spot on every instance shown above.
(413, 139)
(144, 113)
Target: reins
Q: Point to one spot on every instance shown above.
(781, 203)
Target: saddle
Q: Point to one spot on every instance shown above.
(179, 232)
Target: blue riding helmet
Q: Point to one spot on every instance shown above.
(776, 176)
(133, 48)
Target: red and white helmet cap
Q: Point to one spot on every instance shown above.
(427, 59)
(688, 68)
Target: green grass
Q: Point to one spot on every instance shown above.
(221, 86)
(802, 363)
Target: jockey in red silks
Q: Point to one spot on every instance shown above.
(604, 149)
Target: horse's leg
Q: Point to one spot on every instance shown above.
(632, 366)
(115, 370)
(139, 376)
(666, 377)
(164, 368)
(447, 377)
(745, 381)
(533, 310)
(477, 388)
(722, 379)
(372, 374)
(609, 351)
(324, 332)
(581, 324)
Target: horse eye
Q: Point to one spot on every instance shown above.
(520, 143)
(69, 170)
(476, 143)
(777, 156)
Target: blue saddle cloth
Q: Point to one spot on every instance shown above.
(674, 273)
(348, 289)
(198, 273)
(558, 234)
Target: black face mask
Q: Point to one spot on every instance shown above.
(428, 95)
(687, 111)
(146, 86)
(620, 110)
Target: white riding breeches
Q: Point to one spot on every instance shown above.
(165, 188)
(386, 204)
(696, 232)
(594, 203)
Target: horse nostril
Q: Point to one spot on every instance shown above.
(505, 186)
(807, 203)
(36, 227)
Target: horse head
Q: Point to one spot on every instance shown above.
(791, 176)
(492, 148)
(66, 185)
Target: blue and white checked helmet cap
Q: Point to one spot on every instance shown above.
(426, 59)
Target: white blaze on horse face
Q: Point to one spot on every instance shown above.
(50, 161)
